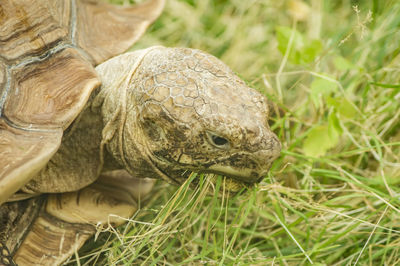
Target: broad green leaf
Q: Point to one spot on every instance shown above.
(334, 126)
(321, 88)
(343, 106)
(319, 140)
(302, 50)
(342, 63)
(311, 51)
(283, 37)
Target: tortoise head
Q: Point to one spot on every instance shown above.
(188, 112)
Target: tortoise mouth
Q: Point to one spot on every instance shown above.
(230, 182)
(234, 180)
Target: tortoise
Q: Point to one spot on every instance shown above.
(83, 136)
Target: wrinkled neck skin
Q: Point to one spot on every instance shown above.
(168, 112)
(122, 144)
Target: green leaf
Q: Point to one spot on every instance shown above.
(283, 37)
(302, 50)
(311, 51)
(321, 88)
(334, 126)
(343, 106)
(320, 139)
(342, 63)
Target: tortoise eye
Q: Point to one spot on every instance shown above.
(218, 141)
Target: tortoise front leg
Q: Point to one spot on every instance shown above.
(69, 219)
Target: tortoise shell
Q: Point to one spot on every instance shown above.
(48, 51)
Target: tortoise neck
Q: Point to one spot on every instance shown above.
(91, 127)
(122, 145)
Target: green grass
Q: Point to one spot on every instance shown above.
(332, 198)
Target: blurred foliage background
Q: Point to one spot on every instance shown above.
(331, 71)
